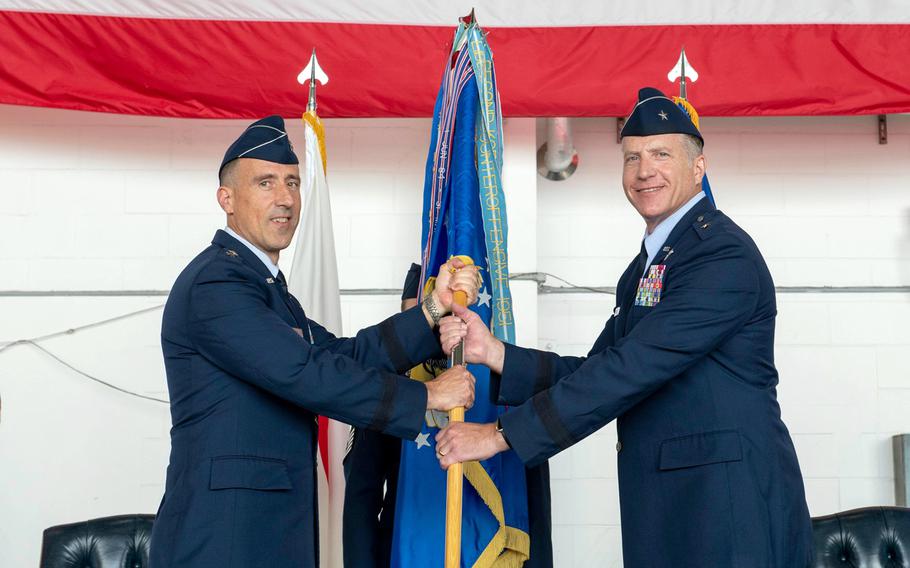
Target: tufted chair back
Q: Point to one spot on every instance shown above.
(872, 537)
(108, 542)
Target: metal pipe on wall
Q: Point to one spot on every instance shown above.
(557, 158)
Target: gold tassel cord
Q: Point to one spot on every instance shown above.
(690, 110)
(315, 123)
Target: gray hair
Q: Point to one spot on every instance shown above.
(226, 176)
(694, 147)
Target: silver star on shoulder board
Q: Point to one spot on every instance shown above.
(423, 440)
(663, 115)
(483, 299)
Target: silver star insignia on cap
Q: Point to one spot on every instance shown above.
(663, 115)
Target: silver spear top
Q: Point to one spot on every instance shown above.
(312, 73)
(680, 71)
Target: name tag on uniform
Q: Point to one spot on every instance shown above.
(650, 287)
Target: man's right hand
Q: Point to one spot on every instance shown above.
(479, 344)
(451, 389)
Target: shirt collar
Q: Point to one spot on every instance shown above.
(656, 239)
(273, 268)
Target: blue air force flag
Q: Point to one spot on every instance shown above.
(464, 214)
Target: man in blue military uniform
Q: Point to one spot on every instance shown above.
(248, 372)
(708, 476)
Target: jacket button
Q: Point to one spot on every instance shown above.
(618, 446)
(700, 218)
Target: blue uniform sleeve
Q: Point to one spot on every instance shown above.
(711, 298)
(231, 324)
(526, 372)
(396, 345)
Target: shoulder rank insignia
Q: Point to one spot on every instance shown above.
(704, 226)
(230, 252)
(650, 287)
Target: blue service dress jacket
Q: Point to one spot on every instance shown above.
(708, 476)
(247, 374)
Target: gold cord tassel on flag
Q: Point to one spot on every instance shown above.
(690, 110)
(310, 117)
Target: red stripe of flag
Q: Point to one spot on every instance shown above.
(245, 69)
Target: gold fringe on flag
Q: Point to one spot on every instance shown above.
(690, 110)
(315, 123)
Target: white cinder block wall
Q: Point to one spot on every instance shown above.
(115, 203)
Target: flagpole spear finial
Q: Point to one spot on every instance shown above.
(311, 102)
(312, 73)
(683, 71)
(682, 75)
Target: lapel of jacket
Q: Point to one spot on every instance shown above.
(234, 247)
(297, 311)
(701, 212)
(625, 295)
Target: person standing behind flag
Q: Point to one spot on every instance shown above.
(247, 372)
(371, 480)
(708, 475)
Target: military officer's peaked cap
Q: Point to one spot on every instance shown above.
(656, 113)
(265, 139)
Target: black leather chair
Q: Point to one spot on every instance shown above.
(108, 542)
(872, 537)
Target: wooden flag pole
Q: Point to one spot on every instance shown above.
(455, 473)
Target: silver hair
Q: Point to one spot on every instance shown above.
(694, 147)
(227, 176)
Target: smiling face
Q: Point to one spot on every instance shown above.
(262, 202)
(659, 175)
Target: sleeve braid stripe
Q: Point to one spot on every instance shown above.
(546, 410)
(397, 354)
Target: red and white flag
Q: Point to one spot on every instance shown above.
(240, 58)
(314, 282)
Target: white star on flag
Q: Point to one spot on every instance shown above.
(662, 115)
(483, 299)
(422, 440)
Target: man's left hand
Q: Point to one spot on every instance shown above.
(468, 441)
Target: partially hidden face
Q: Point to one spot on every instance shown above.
(262, 200)
(659, 176)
